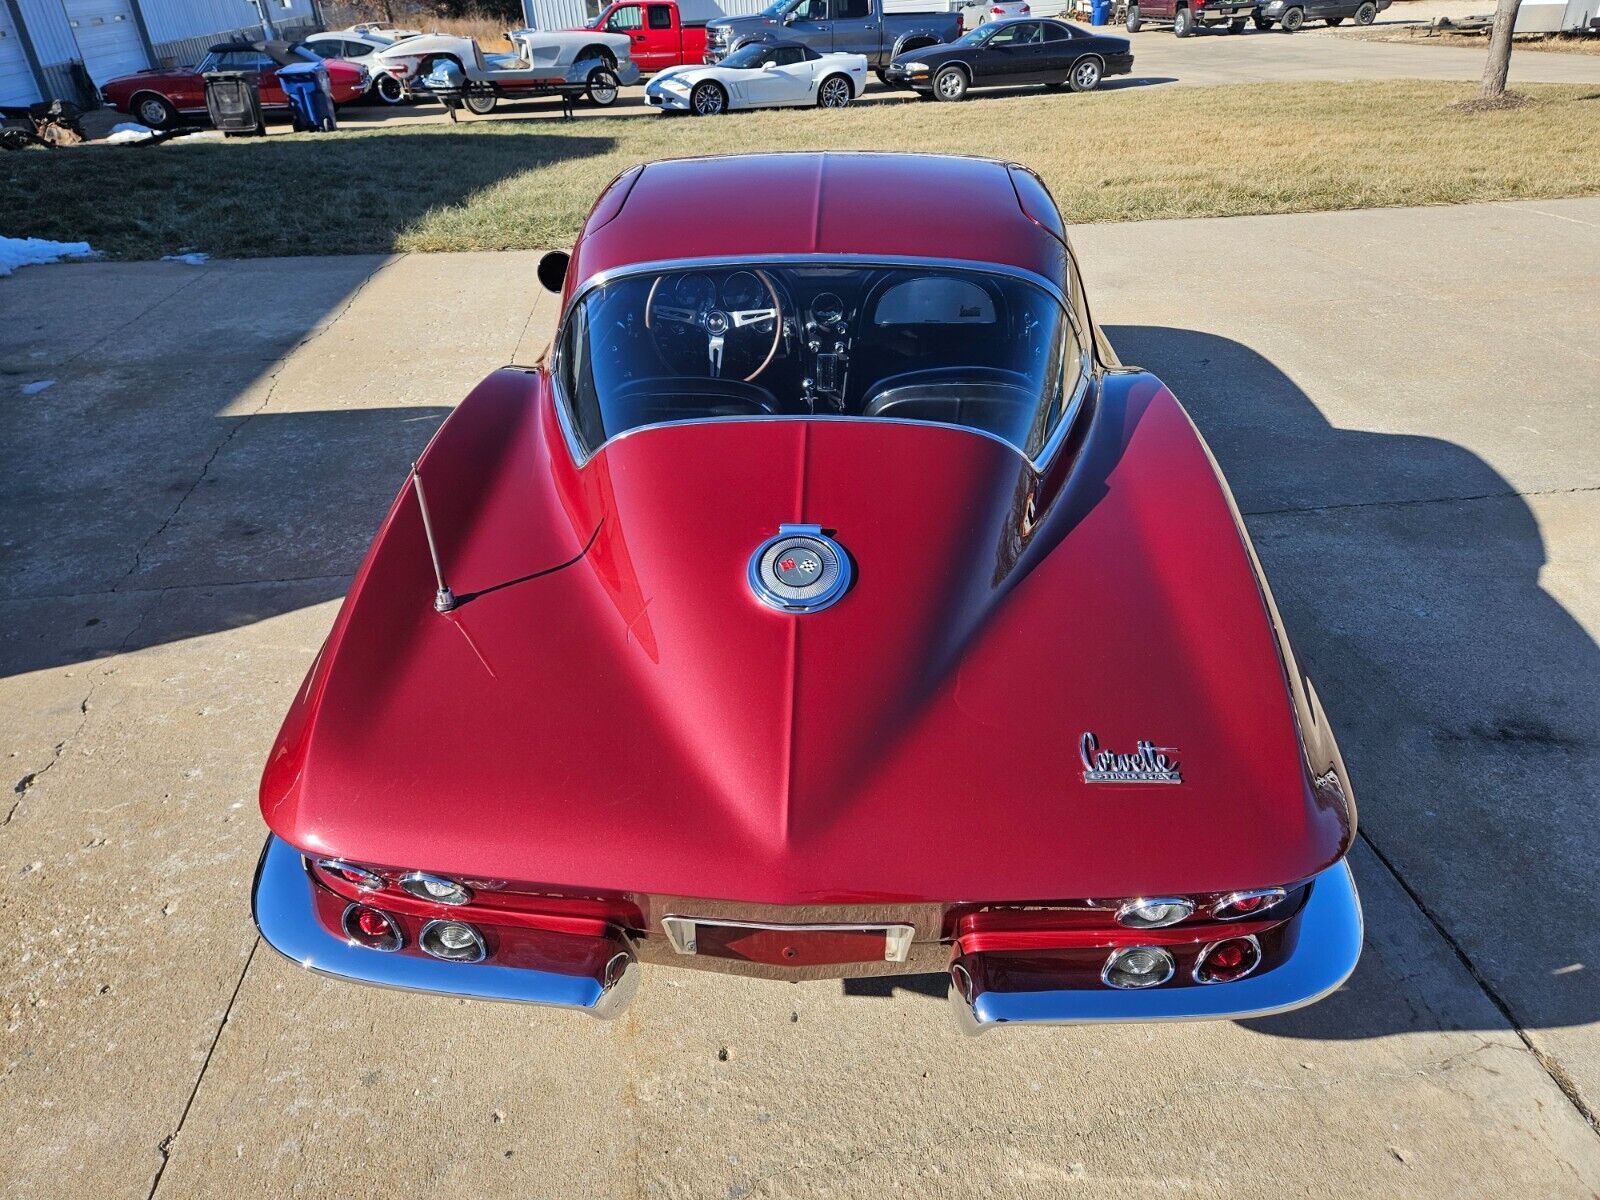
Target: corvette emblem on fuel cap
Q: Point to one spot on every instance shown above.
(800, 570)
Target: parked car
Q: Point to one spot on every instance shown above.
(973, 15)
(593, 62)
(1293, 14)
(761, 75)
(837, 26)
(160, 98)
(656, 31)
(825, 607)
(361, 48)
(1012, 53)
(1186, 16)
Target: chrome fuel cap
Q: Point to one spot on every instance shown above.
(800, 570)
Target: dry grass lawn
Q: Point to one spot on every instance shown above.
(1131, 154)
(1418, 35)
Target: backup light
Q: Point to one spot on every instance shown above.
(367, 880)
(453, 941)
(1154, 913)
(371, 928)
(1138, 967)
(1227, 960)
(435, 887)
(1237, 905)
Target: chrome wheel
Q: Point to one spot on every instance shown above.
(1086, 76)
(603, 87)
(707, 100)
(950, 84)
(388, 89)
(480, 105)
(834, 93)
(154, 112)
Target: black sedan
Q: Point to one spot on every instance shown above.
(1012, 53)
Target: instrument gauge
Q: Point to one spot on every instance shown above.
(827, 309)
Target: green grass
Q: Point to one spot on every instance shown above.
(1132, 154)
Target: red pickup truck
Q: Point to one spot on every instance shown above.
(660, 37)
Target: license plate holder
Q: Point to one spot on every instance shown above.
(789, 945)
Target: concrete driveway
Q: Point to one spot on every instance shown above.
(1405, 402)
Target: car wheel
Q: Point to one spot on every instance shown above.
(1085, 75)
(707, 100)
(1366, 14)
(1133, 18)
(154, 111)
(1293, 19)
(834, 92)
(950, 84)
(1262, 23)
(883, 77)
(387, 88)
(1237, 25)
(1183, 23)
(480, 104)
(602, 87)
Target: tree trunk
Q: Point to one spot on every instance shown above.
(1499, 64)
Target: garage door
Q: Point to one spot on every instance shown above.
(107, 37)
(16, 81)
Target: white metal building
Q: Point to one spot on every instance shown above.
(66, 48)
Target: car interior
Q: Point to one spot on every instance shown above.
(945, 346)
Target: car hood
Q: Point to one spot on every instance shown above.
(609, 707)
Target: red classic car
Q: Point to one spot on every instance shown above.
(830, 602)
(159, 98)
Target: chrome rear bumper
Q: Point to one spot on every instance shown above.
(1327, 943)
(282, 904)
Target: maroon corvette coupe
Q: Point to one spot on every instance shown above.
(831, 602)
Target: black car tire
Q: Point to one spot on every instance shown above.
(154, 111)
(480, 105)
(883, 76)
(1134, 20)
(1183, 22)
(1238, 24)
(1086, 74)
(1367, 13)
(950, 84)
(1262, 23)
(834, 92)
(1293, 19)
(708, 100)
(388, 89)
(602, 87)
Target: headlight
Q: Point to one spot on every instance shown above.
(916, 68)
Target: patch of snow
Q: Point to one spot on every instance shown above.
(39, 385)
(27, 252)
(194, 260)
(129, 133)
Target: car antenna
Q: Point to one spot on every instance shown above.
(443, 599)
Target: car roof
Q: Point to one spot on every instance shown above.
(828, 203)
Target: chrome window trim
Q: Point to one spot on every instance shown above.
(1040, 462)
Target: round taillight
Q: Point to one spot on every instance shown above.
(364, 879)
(1138, 967)
(1237, 905)
(436, 888)
(375, 930)
(1146, 913)
(454, 941)
(1227, 960)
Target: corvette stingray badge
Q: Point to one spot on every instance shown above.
(1147, 764)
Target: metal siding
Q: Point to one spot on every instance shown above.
(47, 26)
(107, 36)
(16, 77)
(186, 20)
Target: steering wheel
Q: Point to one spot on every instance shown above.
(702, 328)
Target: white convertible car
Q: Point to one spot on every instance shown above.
(594, 62)
(761, 75)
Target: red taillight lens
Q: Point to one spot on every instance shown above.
(1225, 961)
(998, 12)
(370, 928)
(1238, 905)
(362, 877)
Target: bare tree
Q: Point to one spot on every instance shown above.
(1499, 64)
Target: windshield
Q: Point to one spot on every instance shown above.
(778, 7)
(931, 344)
(752, 55)
(976, 37)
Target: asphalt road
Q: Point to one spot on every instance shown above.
(1405, 403)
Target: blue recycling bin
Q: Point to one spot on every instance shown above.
(1099, 12)
(310, 97)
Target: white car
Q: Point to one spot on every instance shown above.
(362, 45)
(761, 75)
(594, 62)
(974, 15)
